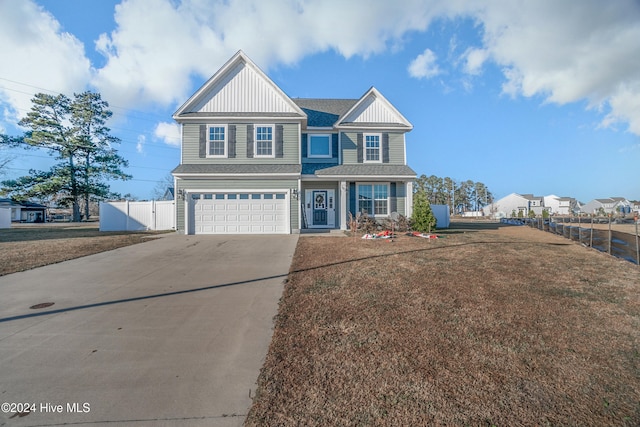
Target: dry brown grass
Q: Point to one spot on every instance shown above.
(23, 248)
(508, 326)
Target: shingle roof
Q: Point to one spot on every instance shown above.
(231, 169)
(324, 112)
(368, 170)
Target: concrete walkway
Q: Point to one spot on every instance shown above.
(169, 332)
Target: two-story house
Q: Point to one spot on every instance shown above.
(254, 160)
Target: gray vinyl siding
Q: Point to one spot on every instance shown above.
(350, 147)
(191, 138)
(238, 184)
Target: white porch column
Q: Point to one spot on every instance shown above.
(409, 199)
(343, 205)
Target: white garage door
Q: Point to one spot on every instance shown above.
(239, 213)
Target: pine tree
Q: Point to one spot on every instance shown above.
(74, 132)
(423, 219)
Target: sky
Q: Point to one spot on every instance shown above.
(525, 96)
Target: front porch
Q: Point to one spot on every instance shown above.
(325, 205)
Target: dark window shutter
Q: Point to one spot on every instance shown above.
(249, 141)
(334, 146)
(202, 148)
(279, 143)
(304, 142)
(353, 206)
(360, 150)
(393, 197)
(385, 148)
(231, 150)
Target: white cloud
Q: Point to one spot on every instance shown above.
(561, 51)
(424, 66)
(159, 45)
(474, 59)
(140, 145)
(36, 56)
(168, 132)
(566, 52)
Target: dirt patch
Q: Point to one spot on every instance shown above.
(498, 326)
(24, 248)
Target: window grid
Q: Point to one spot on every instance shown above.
(372, 148)
(217, 141)
(373, 199)
(264, 141)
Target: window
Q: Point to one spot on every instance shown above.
(319, 146)
(264, 141)
(372, 147)
(373, 199)
(216, 142)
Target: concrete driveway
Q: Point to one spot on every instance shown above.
(169, 332)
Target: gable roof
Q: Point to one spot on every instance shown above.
(225, 94)
(373, 110)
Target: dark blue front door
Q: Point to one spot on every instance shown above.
(319, 208)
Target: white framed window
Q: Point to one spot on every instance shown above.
(372, 147)
(319, 145)
(373, 198)
(217, 141)
(264, 141)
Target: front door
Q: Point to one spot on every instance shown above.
(319, 207)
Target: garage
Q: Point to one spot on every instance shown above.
(256, 212)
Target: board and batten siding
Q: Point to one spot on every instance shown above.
(191, 145)
(228, 186)
(350, 147)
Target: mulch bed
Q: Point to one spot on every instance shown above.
(504, 326)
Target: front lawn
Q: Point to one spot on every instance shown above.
(510, 326)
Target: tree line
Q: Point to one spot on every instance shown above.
(461, 196)
(73, 131)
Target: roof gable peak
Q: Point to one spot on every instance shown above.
(239, 86)
(373, 108)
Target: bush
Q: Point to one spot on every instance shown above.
(423, 219)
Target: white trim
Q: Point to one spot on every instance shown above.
(331, 211)
(236, 175)
(354, 178)
(225, 142)
(321, 156)
(255, 141)
(364, 147)
(342, 188)
(240, 56)
(409, 199)
(375, 93)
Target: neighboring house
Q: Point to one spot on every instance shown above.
(512, 204)
(610, 205)
(169, 194)
(256, 161)
(25, 211)
(559, 205)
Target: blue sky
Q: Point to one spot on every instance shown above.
(535, 97)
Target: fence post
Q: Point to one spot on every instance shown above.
(126, 226)
(609, 234)
(153, 214)
(635, 219)
(591, 238)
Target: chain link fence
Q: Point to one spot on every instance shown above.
(595, 232)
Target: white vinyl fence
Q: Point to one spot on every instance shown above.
(137, 216)
(5, 217)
